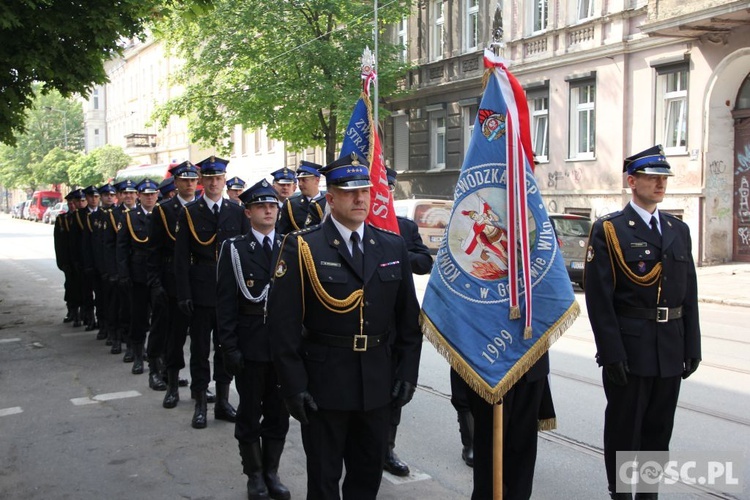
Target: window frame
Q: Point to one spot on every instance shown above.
(574, 121)
(437, 131)
(589, 7)
(403, 38)
(471, 12)
(437, 40)
(534, 9)
(664, 99)
(536, 115)
(469, 117)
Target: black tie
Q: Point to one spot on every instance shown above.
(216, 210)
(357, 256)
(267, 247)
(655, 226)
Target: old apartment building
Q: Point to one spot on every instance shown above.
(604, 79)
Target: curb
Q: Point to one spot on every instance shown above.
(726, 302)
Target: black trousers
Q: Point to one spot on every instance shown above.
(202, 327)
(105, 302)
(261, 412)
(159, 330)
(99, 301)
(520, 414)
(357, 439)
(123, 311)
(639, 416)
(140, 311)
(174, 358)
(459, 392)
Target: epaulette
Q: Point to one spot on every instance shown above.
(237, 238)
(612, 215)
(382, 230)
(306, 230)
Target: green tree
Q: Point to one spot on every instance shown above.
(64, 44)
(290, 66)
(54, 168)
(85, 172)
(109, 159)
(52, 122)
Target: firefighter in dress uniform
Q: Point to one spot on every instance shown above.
(61, 233)
(641, 294)
(235, 186)
(307, 208)
(163, 284)
(92, 281)
(345, 336)
(244, 275)
(103, 290)
(74, 223)
(127, 193)
(202, 226)
(285, 184)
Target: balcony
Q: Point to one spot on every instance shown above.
(140, 141)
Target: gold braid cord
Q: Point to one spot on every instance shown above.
(291, 215)
(339, 306)
(78, 218)
(320, 210)
(166, 225)
(192, 230)
(88, 222)
(132, 233)
(614, 248)
(112, 220)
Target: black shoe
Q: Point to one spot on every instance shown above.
(467, 454)
(183, 382)
(172, 397)
(222, 409)
(68, 317)
(394, 465)
(91, 326)
(272, 450)
(155, 380)
(116, 348)
(256, 488)
(102, 334)
(200, 420)
(210, 396)
(77, 323)
(129, 356)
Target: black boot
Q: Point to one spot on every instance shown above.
(392, 463)
(103, 332)
(116, 341)
(129, 356)
(210, 396)
(137, 359)
(172, 397)
(252, 467)
(76, 317)
(90, 319)
(223, 410)
(69, 316)
(271, 456)
(155, 377)
(466, 428)
(200, 419)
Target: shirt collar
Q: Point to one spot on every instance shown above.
(645, 215)
(346, 233)
(183, 201)
(260, 236)
(210, 203)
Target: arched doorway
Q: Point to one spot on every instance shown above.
(741, 207)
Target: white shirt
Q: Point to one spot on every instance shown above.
(260, 236)
(647, 216)
(183, 201)
(346, 233)
(210, 203)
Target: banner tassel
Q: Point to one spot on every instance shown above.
(515, 313)
(527, 333)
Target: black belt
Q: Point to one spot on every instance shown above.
(201, 261)
(358, 343)
(660, 314)
(251, 310)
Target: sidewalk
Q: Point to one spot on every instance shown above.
(727, 284)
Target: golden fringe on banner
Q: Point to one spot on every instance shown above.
(494, 394)
(547, 424)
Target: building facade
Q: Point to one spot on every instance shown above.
(604, 79)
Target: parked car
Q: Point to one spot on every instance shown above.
(17, 210)
(431, 216)
(26, 214)
(59, 209)
(572, 236)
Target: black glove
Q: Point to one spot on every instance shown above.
(158, 295)
(691, 364)
(186, 306)
(617, 373)
(297, 405)
(402, 392)
(233, 361)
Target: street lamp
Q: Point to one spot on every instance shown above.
(65, 122)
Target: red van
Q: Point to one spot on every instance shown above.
(41, 201)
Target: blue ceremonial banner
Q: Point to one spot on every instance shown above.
(499, 294)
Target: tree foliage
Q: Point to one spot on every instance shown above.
(292, 66)
(63, 45)
(109, 159)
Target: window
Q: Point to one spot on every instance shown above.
(582, 119)
(95, 97)
(671, 112)
(401, 142)
(471, 30)
(258, 141)
(539, 112)
(539, 15)
(437, 140)
(271, 144)
(585, 9)
(470, 117)
(438, 30)
(403, 38)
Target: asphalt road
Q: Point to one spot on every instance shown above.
(75, 424)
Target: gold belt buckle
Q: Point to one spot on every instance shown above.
(360, 343)
(662, 314)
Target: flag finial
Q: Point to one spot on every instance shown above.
(367, 69)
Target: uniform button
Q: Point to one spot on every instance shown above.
(664, 278)
(367, 303)
(367, 322)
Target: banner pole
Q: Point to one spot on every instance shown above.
(497, 451)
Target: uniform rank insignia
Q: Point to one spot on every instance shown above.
(252, 245)
(330, 264)
(641, 267)
(590, 254)
(388, 264)
(638, 244)
(336, 242)
(281, 269)
(119, 226)
(104, 225)
(249, 283)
